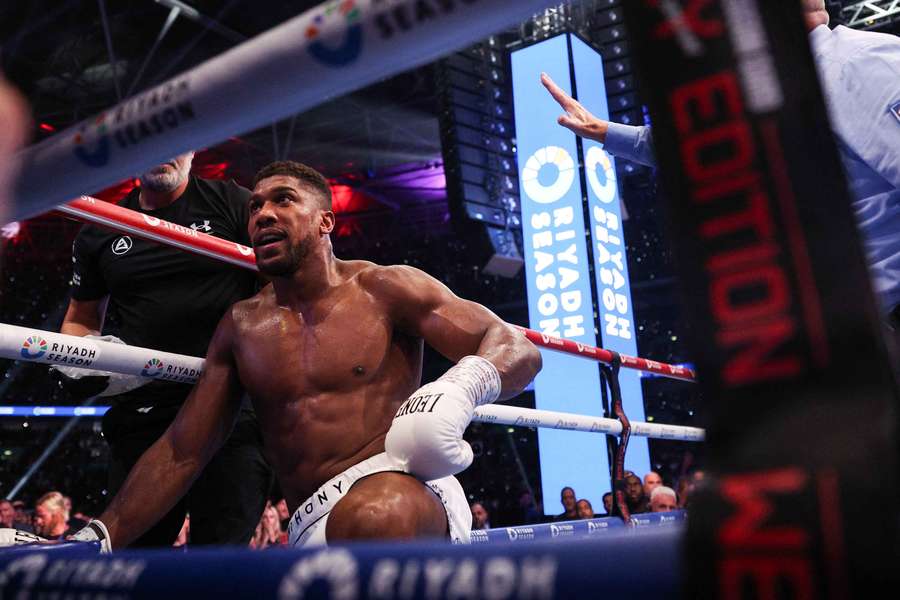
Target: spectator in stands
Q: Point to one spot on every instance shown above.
(652, 480)
(284, 515)
(480, 516)
(663, 499)
(75, 523)
(530, 511)
(634, 495)
(7, 514)
(584, 509)
(567, 498)
(51, 517)
(23, 518)
(608, 503)
(686, 486)
(269, 533)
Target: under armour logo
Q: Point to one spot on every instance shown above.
(204, 227)
(122, 245)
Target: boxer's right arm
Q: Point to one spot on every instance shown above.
(168, 468)
(84, 317)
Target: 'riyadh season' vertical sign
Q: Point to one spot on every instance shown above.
(610, 263)
(557, 271)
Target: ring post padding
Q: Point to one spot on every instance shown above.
(327, 51)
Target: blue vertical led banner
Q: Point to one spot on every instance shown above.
(557, 273)
(617, 331)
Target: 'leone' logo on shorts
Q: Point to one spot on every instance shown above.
(423, 403)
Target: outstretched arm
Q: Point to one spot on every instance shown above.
(166, 470)
(424, 307)
(625, 141)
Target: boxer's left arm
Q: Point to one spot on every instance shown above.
(494, 361)
(424, 307)
(168, 468)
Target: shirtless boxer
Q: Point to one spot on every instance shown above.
(331, 354)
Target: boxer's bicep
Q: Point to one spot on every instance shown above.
(456, 327)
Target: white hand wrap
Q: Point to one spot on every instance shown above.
(15, 537)
(118, 383)
(426, 435)
(94, 532)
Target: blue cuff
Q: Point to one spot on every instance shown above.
(631, 143)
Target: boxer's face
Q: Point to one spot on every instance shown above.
(567, 497)
(287, 221)
(585, 510)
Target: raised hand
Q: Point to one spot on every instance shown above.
(577, 119)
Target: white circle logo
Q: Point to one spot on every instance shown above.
(606, 192)
(121, 245)
(151, 221)
(548, 194)
(337, 567)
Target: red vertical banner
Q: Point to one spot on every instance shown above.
(801, 402)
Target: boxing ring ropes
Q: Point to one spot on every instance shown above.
(341, 45)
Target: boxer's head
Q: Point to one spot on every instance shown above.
(290, 216)
(169, 175)
(584, 509)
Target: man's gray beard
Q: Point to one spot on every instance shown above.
(163, 182)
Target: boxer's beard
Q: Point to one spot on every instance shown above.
(291, 262)
(168, 180)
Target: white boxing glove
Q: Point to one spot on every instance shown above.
(116, 383)
(426, 435)
(94, 531)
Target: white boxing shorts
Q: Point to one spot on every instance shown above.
(307, 526)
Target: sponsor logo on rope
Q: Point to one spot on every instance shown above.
(562, 530)
(351, 46)
(34, 346)
(895, 110)
(394, 19)
(122, 245)
(246, 251)
(149, 114)
(153, 368)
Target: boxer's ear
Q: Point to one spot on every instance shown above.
(326, 222)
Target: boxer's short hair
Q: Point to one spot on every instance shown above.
(303, 173)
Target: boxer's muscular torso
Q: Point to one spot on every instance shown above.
(326, 380)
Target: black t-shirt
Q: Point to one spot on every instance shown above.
(165, 298)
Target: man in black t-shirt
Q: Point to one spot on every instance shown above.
(171, 300)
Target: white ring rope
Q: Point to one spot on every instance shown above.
(35, 345)
(330, 50)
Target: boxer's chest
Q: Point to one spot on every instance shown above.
(289, 354)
